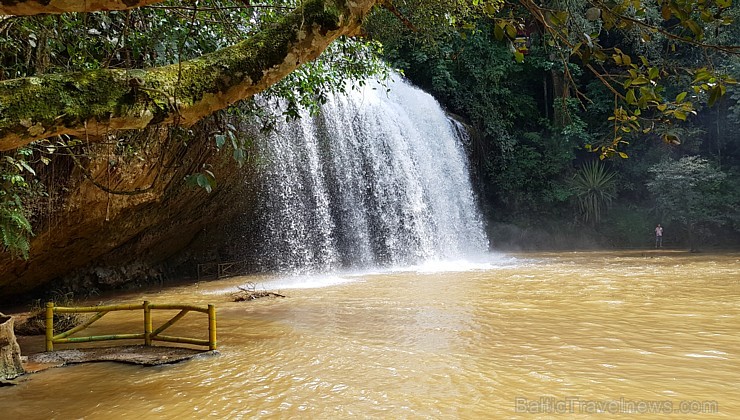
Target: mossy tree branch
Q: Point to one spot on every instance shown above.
(37, 7)
(91, 103)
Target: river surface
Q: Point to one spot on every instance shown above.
(584, 334)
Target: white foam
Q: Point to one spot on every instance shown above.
(318, 280)
(480, 263)
(312, 281)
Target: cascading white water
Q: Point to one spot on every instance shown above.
(377, 178)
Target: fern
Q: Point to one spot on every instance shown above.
(15, 230)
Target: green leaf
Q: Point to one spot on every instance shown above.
(630, 97)
(694, 27)
(557, 18)
(498, 32)
(204, 182)
(593, 13)
(702, 75)
(510, 31)
(653, 73)
(714, 95)
(665, 11)
(26, 167)
(681, 96)
(220, 140)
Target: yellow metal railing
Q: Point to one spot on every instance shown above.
(149, 333)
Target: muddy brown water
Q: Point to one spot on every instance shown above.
(584, 334)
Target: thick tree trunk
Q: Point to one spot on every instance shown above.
(10, 351)
(92, 103)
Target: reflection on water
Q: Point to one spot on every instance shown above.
(579, 333)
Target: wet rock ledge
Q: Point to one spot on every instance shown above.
(137, 355)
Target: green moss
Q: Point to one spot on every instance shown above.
(323, 13)
(217, 72)
(70, 99)
(56, 100)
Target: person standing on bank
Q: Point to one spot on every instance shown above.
(659, 236)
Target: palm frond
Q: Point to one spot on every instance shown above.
(595, 188)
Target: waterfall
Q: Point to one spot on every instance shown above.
(378, 178)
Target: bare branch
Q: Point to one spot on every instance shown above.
(386, 4)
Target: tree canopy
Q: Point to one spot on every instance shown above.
(42, 106)
(542, 80)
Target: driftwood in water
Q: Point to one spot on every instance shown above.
(10, 351)
(250, 293)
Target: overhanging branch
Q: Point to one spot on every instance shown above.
(76, 104)
(37, 7)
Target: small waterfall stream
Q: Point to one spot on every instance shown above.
(378, 178)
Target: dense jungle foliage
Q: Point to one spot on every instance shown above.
(591, 121)
(543, 122)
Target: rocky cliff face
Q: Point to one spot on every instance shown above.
(87, 238)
